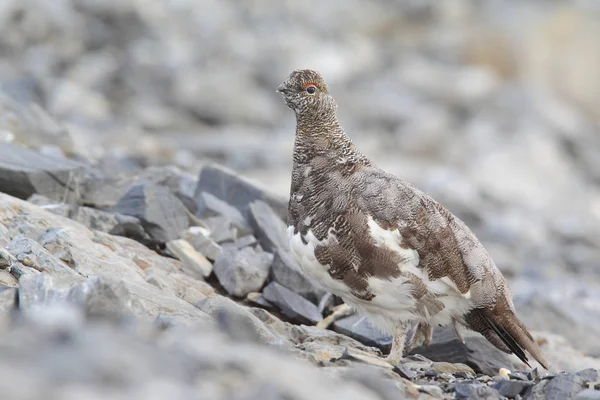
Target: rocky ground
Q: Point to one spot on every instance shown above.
(159, 285)
(132, 267)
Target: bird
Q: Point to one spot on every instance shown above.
(389, 250)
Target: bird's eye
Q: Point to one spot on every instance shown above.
(311, 89)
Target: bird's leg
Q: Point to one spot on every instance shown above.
(397, 351)
(458, 332)
(421, 336)
(339, 312)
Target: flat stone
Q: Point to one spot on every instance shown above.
(385, 386)
(322, 353)
(181, 285)
(211, 206)
(243, 271)
(463, 374)
(520, 376)
(259, 300)
(475, 390)
(358, 327)
(237, 321)
(562, 386)
(52, 255)
(200, 239)
(236, 190)
(54, 206)
(194, 263)
(285, 271)
(244, 241)
(416, 362)
(222, 229)
(477, 352)
(405, 372)
(178, 181)
(24, 172)
(512, 388)
(588, 374)
(291, 304)
(268, 226)
(451, 368)
(163, 216)
(100, 297)
(109, 222)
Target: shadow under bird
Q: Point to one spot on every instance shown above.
(385, 247)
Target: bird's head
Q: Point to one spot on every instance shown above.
(306, 93)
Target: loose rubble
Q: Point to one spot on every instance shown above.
(149, 263)
(92, 275)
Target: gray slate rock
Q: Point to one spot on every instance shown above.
(201, 241)
(478, 353)
(475, 391)
(242, 271)
(235, 190)
(385, 386)
(99, 297)
(50, 255)
(162, 214)
(589, 374)
(211, 206)
(222, 229)
(244, 241)
(181, 183)
(359, 328)
(562, 386)
(268, 227)
(193, 262)
(285, 271)
(93, 218)
(512, 388)
(291, 304)
(237, 321)
(53, 206)
(24, 172)
(110, 222)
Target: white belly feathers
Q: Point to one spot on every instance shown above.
(393, 299)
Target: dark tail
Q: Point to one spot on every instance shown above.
(505, 331)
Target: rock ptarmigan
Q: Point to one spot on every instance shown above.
(386, 248)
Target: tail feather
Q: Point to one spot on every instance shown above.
(505, 331)
(509, 340)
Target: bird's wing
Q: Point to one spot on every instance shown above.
(446, 247)
(449, 251)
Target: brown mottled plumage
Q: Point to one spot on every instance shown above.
(384, 246)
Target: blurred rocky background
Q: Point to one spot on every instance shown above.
(109, 110)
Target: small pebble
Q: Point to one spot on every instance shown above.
(518, 376)
(431, 373)
(504, 373)
(463, 375)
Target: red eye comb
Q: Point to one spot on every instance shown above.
(309, 84)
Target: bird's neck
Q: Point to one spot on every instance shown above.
(322, 135)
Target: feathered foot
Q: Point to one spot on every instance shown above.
(397, 351)
(421, 336)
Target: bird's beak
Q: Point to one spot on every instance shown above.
(282, 88)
